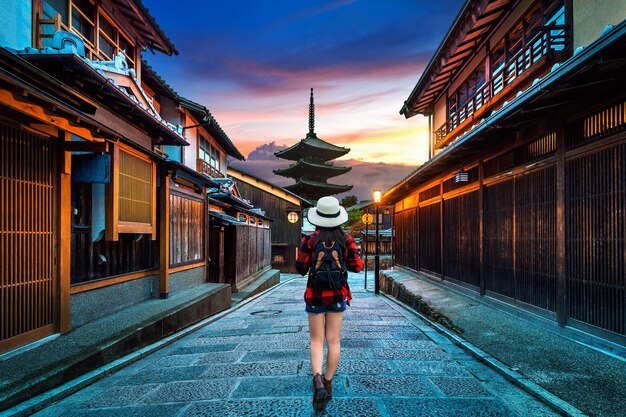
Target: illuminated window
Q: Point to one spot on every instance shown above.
(136, 188)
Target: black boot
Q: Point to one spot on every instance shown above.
(329, 388)
(320, 397)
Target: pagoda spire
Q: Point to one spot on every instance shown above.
(312, 168)
(311, 113)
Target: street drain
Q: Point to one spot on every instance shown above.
(266, 312)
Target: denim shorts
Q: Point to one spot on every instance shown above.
(332, 308)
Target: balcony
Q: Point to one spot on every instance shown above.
(206, 169)
(550, 45)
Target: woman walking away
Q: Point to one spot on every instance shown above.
(327, 256)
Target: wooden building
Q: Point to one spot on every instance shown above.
(240, 236)
(284, 208)
(522, 198)
(104, 192)
(311, 169)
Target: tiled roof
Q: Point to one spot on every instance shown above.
(311, 143)
(213, 126)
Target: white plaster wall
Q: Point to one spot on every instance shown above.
(191, 151)
(16, 26)
(590, 17)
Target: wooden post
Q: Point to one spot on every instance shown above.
(207, 230)
(164, 236)
(364, 244)
(561, 283)
(112, 196)
(64, 235)
(481, 229)
(441, 244)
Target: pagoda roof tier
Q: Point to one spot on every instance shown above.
(311, 145)
(315, 190)
(303, 167)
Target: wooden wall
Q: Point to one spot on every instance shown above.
(516, 204)
(285, 236)
(247, 250)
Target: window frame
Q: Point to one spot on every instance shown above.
(114, 226)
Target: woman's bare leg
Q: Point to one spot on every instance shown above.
(316, 331)
(333, 339)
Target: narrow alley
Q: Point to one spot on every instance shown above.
(254, 362)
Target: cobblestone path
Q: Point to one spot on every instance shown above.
(255, 362)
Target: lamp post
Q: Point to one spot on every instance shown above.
(376, 198)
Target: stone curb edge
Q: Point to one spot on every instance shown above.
(47, 398)
(560, 406)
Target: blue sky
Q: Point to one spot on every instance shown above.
(253, 63)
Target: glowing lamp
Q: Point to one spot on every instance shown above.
(377, 194)
(292, 217)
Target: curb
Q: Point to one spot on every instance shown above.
(47, 398)
(555, 403)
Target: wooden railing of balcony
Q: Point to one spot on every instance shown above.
(550, 40)
(92, 50)
(205, 168)
(57, 24)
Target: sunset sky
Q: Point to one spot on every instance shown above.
(253, 63)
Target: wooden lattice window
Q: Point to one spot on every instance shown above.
(186, 230)
(111, 41)
(103, 39)
(131, 196)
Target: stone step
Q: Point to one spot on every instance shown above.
(31, 371)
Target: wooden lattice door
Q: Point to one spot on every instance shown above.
(28, 278)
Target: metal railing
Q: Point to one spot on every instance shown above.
(550, 38)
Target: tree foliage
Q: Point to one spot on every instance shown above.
(354, 216)
(349, 201)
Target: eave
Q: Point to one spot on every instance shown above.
(583, 73)
(298, 169)
(475, 22)
(74, 71)
(311, 145)
(204, 117)
(43, 98)
(145, 25)
(306, 185)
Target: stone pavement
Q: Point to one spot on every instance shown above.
(255, 362)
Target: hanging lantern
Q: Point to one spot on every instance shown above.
(292, 217)
(461, 177)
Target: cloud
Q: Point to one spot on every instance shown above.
(364, 176)
(266, 152)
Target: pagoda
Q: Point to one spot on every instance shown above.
(312, 169)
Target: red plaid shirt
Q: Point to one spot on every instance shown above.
(326, 297)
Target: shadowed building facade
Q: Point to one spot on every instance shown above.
(312, 169)
(522, 198)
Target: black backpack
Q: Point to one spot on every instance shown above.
(328, 268)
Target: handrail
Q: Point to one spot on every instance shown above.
(538, 47)
(205, 168)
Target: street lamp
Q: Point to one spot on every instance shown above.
(377, 197)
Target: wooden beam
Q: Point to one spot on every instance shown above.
(481, 228)
(153, 202)
(561, 282)
(207, 228)
(164, 235)
(79, 146)
(38, 112)
(64, 235)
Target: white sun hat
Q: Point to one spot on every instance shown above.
(328, 213)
